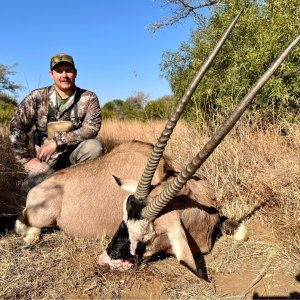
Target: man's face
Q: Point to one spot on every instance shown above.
(64, 76)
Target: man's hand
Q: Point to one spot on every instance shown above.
(46, 150)
(34, 165)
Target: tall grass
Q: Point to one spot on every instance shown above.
(254, 164)
(11, 176)
(4, 131)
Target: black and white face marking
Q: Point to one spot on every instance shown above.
(132, 208)
(140, 230)
(132, 237)
(119, 246)
(117, 254)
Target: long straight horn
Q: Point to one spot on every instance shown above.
(151, 211)
(145, 181)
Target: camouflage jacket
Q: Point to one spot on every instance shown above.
(82, 109)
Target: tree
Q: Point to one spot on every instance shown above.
(179, 10)
(132, 108)
(264, 30)
(7, 102)
(6, 85)
(113, 109)
(7, 108)
(160, 108)
(137, 100)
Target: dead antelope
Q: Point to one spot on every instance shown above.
(167, 218)
(169, 212)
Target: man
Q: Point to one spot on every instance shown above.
(66, 118)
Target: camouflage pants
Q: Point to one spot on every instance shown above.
(86, 150)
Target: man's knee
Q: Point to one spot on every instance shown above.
(86, 150)
(92, 147)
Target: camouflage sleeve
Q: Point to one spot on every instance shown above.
(20, 126)
(90, 126)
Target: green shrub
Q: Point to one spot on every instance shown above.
(7, 108)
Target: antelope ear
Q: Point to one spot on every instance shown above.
(126, 184)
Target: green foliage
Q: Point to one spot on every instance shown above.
(5, 83)
(160, 108)
(132, 108)
(7, 108)
(112, 109)
(121, 110)
(264, 30)
(7, 103)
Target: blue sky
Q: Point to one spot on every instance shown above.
(114, 53)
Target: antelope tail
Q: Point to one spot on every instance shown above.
(233, 227)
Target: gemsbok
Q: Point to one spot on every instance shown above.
(164, 210)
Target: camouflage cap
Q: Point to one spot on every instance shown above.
(60, 58)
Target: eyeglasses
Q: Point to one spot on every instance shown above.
(63, 57)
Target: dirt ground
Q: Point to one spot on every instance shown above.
(249, 270)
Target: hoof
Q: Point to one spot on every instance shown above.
(32, 236)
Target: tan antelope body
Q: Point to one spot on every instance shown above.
(84, 200)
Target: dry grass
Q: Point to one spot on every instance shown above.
(256, 174)
(4, 131)
(11, 176)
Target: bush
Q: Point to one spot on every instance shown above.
(7, 108)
